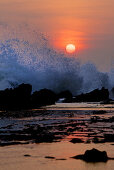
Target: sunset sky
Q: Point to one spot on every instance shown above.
(87, 24)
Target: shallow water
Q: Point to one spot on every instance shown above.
(81, 106)
(12, 157)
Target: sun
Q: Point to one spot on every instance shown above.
(70, 48)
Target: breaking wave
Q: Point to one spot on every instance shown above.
(22, 61)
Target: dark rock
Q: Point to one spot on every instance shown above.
(27, 155)
(87, 141)
(94, 119)
(96, 140)
(61, 127)
(76, 140)
(43, 97)
(93, 155)
(17, 98)
(20, 98)
(112, 93)
(32, 133)
(67, 95)
(94, 96)
(15, 137)
(47, 138)
(52, 157)
(111, 119)
(96, 112)
(71, 130)
(109, 137)
(49, 157)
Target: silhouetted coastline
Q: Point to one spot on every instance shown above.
(21, 97)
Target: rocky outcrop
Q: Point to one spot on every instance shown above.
(94, 96)
(21, 98)
(43, 97)
(17, 98)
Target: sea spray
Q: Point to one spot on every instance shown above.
(37, 63)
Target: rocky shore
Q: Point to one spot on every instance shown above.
(21, 97)
(55, 126)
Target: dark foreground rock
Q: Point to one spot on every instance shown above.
(45, 128)
(31, 134)
(93, 155)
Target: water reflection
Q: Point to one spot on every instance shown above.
(13, 157)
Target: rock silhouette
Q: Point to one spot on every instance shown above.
(76, 140)
(94, 96)
(93, 155)
(17, 98)
(21, 98)
(43, 97)
(112, 93)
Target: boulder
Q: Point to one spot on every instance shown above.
(93, 155)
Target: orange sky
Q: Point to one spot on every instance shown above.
(87, 24)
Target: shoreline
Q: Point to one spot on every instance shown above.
(38, 126)
(31, 138)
